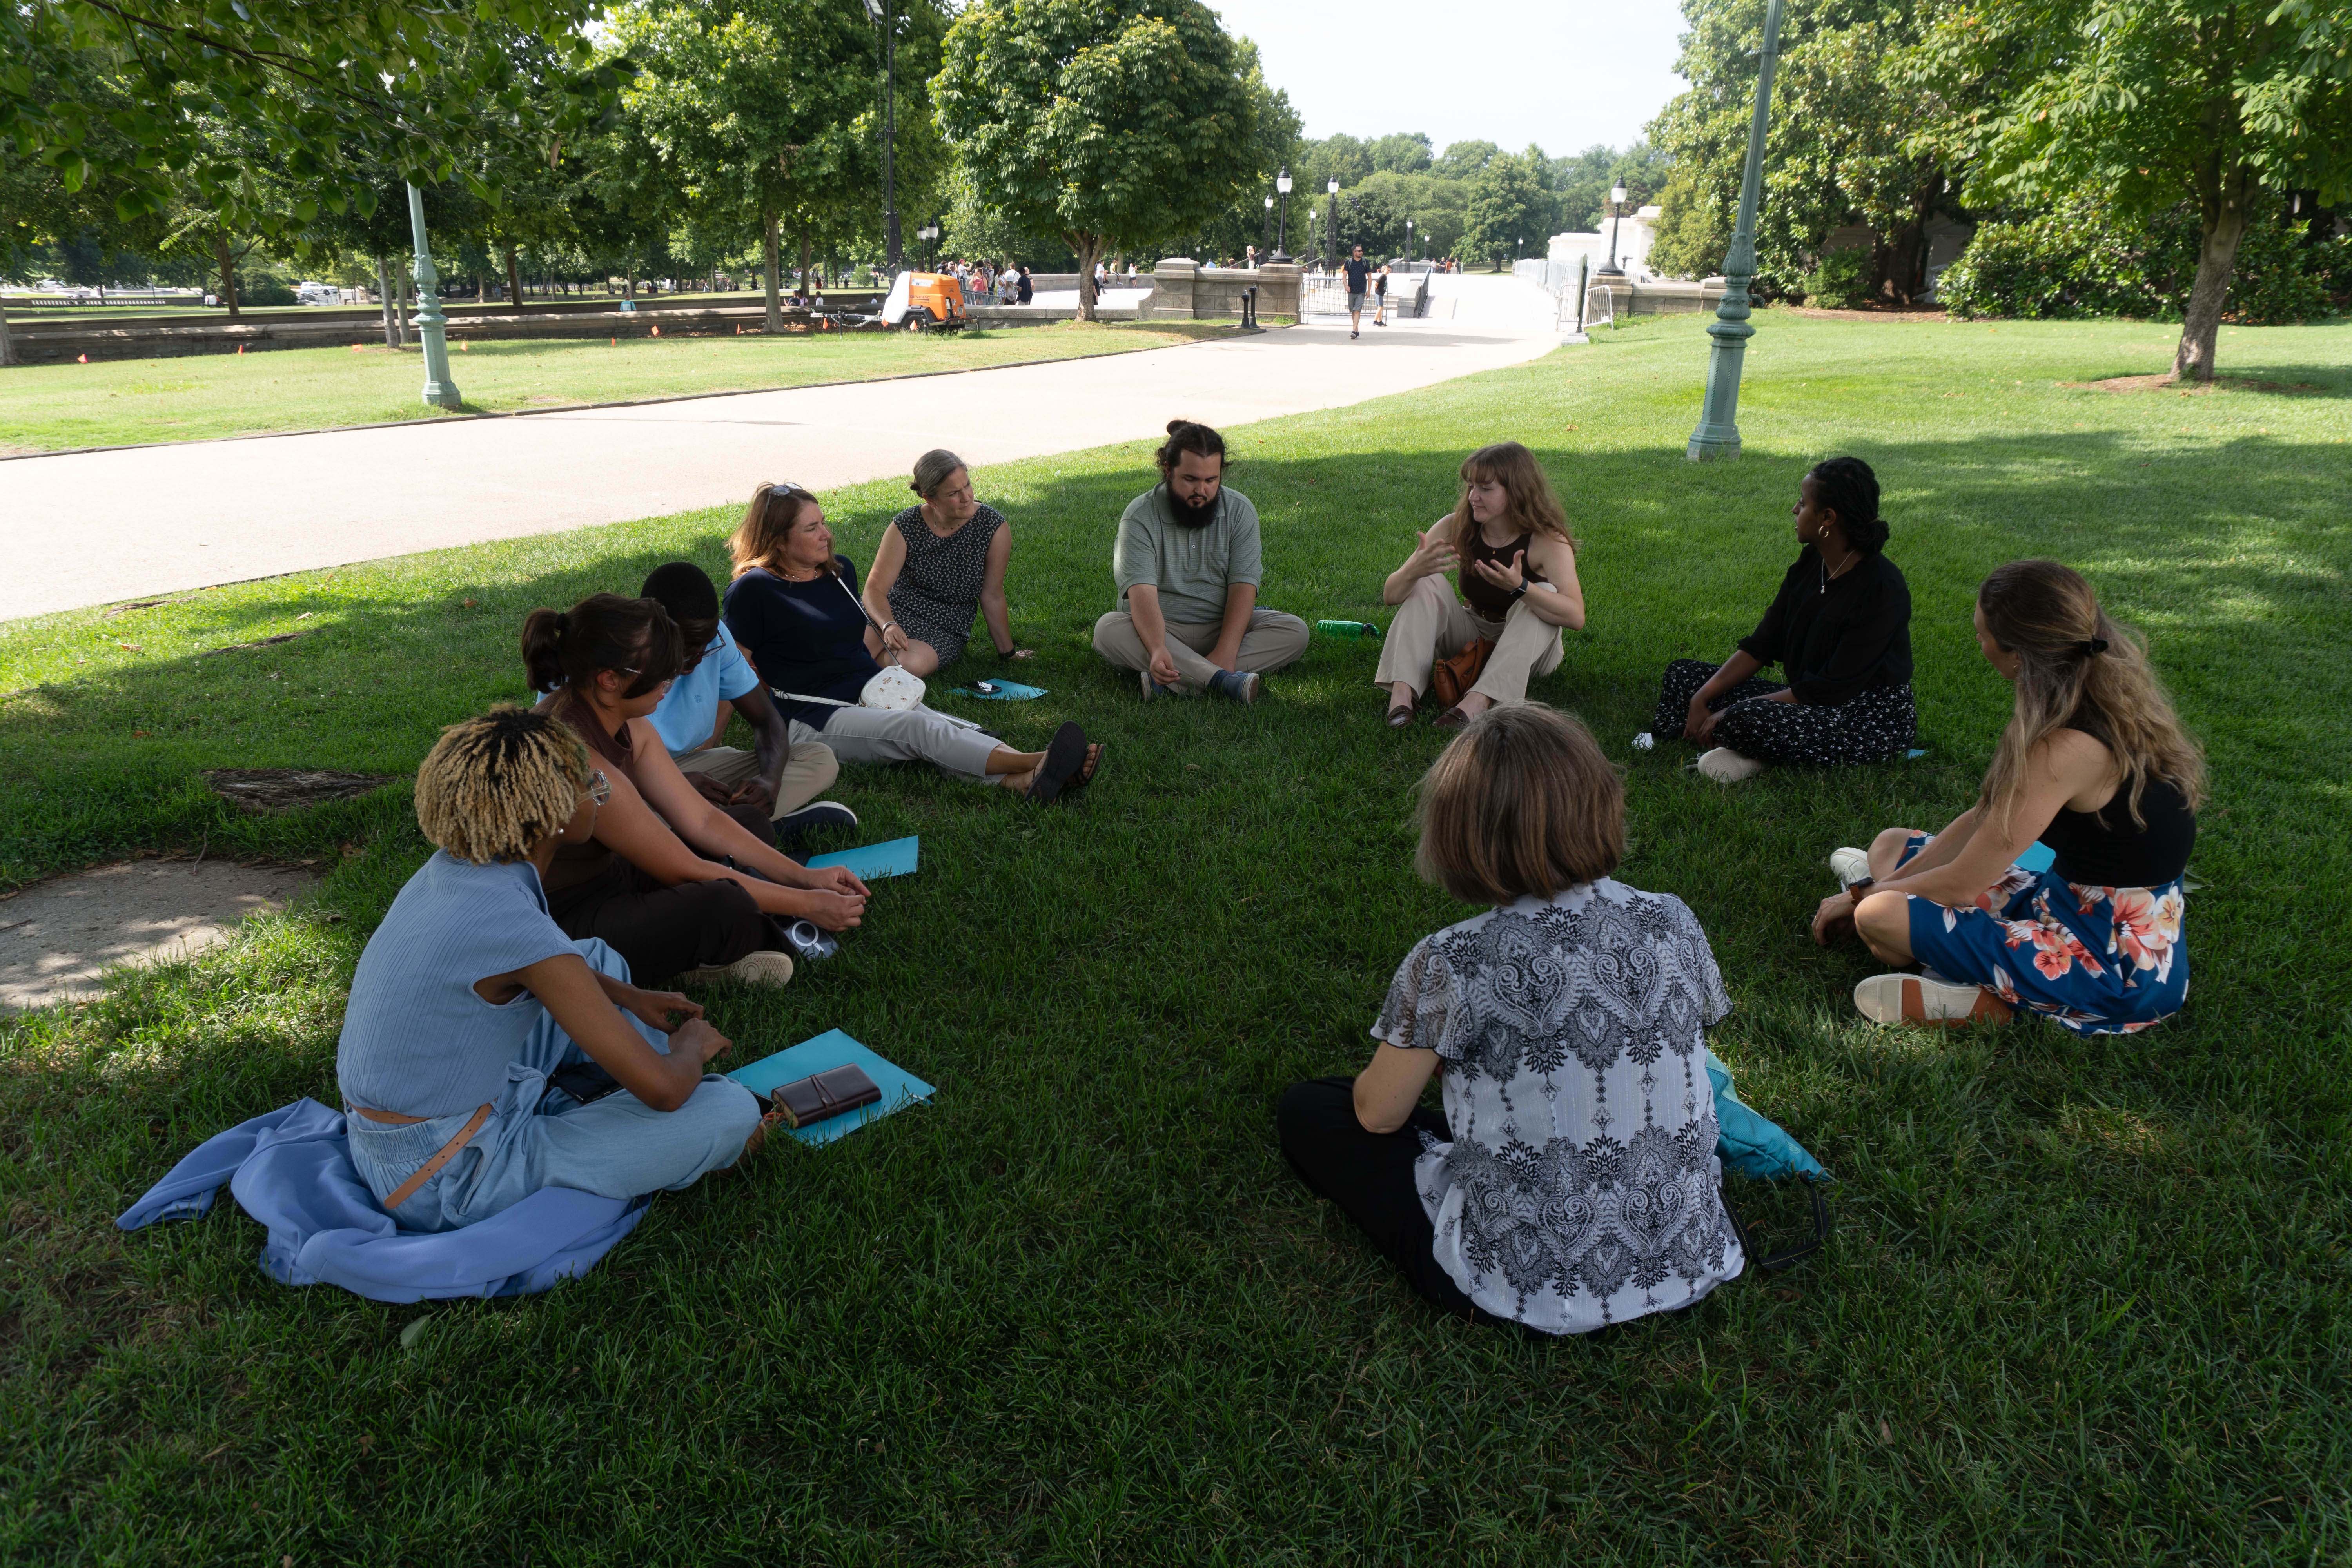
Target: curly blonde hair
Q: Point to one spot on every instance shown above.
(493, 788)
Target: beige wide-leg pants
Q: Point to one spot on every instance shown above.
(1431, 623)
(809, 772)
(1273, 641)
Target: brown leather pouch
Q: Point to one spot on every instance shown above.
(1450, 678)
(822, 1096)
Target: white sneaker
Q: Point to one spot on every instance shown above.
(1725, 765)
(1645, 741)
(1914, 999)
(1850, 865)
(766, 967)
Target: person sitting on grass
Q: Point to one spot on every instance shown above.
(676, 885)
(1507, 541)
(1571, 1181)
(1188, 562)
(772, 793)
(2095, 763)
(794, 606)
(469, 995)
(1840, 625)
(938, 566)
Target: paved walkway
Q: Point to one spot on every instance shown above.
(100, 526)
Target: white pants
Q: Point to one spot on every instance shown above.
(955, 746)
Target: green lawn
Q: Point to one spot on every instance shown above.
(2087, 1299)
(114, 403)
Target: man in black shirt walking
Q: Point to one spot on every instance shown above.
(1358, 269)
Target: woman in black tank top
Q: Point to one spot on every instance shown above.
(2059, 890)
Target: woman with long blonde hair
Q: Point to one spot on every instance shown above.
(2093, 764)
(1507, 541)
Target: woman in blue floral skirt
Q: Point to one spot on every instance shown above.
(2095, 765)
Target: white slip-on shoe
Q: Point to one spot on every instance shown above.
(1914, 999)
(1725, 765)
(1850, 865)
(766, 967)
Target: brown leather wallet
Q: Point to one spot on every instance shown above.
(822, 1096)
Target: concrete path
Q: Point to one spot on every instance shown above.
(102, 527)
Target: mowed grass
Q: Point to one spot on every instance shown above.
(114, 403)
(2086, 1300)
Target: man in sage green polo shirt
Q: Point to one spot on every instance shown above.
(1188, 565)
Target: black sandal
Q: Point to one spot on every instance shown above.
(1086, 770)
(1065, 755)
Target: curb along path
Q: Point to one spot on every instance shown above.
(98, 527)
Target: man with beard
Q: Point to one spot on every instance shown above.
(1188, 565)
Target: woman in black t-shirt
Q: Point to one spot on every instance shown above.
(2095, 765)
(1839, 626)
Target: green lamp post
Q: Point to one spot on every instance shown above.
(1718, 434)
(439, 390)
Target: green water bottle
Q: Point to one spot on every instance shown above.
(1354, 631)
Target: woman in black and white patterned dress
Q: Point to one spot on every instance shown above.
(1572, 1181)
(938, 564)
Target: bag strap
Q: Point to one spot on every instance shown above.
(442, 1156)
(1794, 1255)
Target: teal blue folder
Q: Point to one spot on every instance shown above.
(871, 862)
(1006, 691)
(829, 1050)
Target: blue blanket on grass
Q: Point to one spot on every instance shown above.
(292, 1170)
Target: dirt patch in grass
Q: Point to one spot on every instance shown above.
(288, 789)
(2165, 381)
(57, 939)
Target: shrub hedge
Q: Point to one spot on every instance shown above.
(2083, 261)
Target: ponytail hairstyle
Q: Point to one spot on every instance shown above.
(1847, 487)
(493, 788)
(2068, 654)
(603, 631)
(1184, 436)
(759, 538)
(1533, 507)
(934, 469)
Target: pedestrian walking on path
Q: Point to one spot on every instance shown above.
(1357, 270)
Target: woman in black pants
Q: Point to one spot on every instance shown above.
(1839, 626)
(1572, 1182)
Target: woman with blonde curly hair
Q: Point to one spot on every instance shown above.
(1507, 539)
(2095, 765)
(485, 1055)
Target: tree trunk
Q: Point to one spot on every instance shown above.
(228, 272)
(514, 282)
(7, 347)
(1087, 247)
(2217, 258)
(768, 243)
(631, 288)
(386, 292)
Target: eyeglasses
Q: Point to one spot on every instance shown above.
(665, 680)
(600, 788)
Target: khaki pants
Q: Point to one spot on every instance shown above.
(957, 747)
(1431, 623)
(809, 772)
(1273, 641)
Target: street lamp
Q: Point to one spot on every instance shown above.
(1718, 434)
(439, 390)
(1332, 227)
(930, 234)
(1266, 228)
(1610, 269)
(1410, 253)
(1282, 229)
(880, 11)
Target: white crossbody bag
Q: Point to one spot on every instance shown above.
(893, 690)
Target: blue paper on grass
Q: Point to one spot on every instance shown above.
(871, 862)
(1913, 755)
(829, 1050)
(1006, 691)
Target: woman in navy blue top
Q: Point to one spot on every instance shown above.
(793, 609)
(469, 996)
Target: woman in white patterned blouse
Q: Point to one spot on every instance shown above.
(1572, 1182)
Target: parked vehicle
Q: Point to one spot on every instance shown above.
(317, 294)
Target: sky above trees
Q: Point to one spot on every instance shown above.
(1507, 71)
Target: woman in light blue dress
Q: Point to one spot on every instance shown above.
(470, 999)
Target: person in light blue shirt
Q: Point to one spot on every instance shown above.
(485, 1055)
(779, 785)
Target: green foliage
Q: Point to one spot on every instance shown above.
(1115, 124)
(1839, 281)
(263, 291)
(1462, 160)
(1693, 233)
(1582, 182)
(2089, 261)
(1509, 211)
(1404, 153)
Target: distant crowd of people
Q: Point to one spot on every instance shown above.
(606, 844)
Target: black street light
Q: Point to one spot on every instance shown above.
(1266, 228)
(1282, 229)
(880, 11)
(1410, 253)
(930, 234)
(1610, 269)
(1331, 229)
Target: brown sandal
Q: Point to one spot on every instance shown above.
(1401, 715)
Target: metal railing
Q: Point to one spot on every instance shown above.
(1326, 294)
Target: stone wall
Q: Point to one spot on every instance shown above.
(1182, 287)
